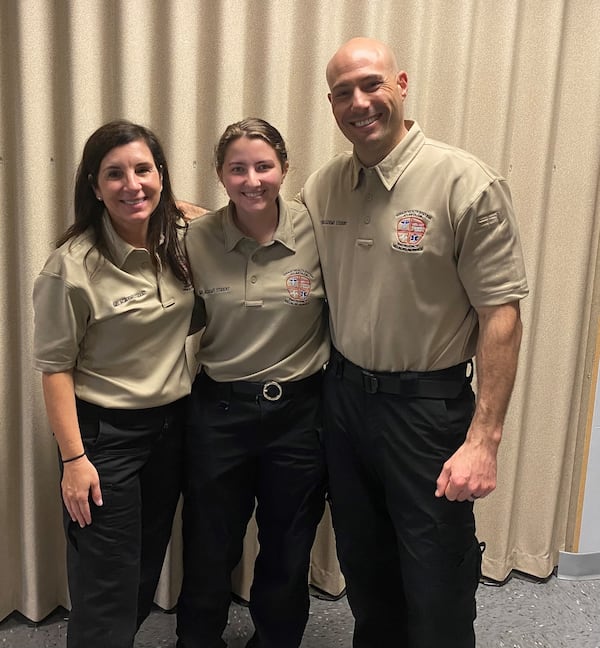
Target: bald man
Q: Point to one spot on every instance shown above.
(423, 271)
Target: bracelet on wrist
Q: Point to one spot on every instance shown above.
(73, 458)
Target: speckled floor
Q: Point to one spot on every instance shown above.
(519, 614)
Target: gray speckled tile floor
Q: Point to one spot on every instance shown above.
(519, 614)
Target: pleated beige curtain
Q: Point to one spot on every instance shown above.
(516, 82)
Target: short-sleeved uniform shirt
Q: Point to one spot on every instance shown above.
(263, 303)
(120, 325)
(410, 248)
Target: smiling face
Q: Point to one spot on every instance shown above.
(367, 97)
(252, 174)
(130, 185)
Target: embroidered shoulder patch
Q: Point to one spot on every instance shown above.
(298, 284)
(410, 228)
(488, 219)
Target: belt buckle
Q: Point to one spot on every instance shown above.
(369, 382)
(272, 384)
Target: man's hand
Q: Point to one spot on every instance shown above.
(470, 473)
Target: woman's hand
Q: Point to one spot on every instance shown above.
(190, 210)
(80, 482)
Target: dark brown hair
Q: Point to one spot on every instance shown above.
(163, 239)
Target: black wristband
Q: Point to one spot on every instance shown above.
(73, 458)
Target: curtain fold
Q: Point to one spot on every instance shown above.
(515, 82)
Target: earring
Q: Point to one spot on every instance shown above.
(99, 198)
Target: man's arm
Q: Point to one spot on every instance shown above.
(470, 473)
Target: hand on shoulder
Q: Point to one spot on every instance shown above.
(190, 210)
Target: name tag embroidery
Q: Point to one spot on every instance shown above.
(124, 300)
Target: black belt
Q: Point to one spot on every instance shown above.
(443, 383)
(271, 390)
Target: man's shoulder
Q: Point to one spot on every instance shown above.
(337, 165)
(331, 176)
(460, 159)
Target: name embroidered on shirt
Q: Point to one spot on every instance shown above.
(334, 222)
(409, 230)
(298, 284)
(214, 291)
(124, 300)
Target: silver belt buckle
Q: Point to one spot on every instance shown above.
(272, 384)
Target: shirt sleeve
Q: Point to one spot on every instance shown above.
(60, 322)
(488, 249)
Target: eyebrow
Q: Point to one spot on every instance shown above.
(364, 79)
(120, 166)
(234, 162)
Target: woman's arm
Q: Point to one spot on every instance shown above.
(80, 478)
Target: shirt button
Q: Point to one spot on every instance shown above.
(369, 197)
(253, 279)
(367, 220)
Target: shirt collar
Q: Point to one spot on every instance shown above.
(396, 161)
(284, 233)
(118, 248)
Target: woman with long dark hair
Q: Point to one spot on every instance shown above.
(113, 305)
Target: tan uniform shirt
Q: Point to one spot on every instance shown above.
(409, 249)
(121, 328)
(264, 304)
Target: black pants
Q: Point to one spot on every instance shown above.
(411, 561)
(240, 449)
(114, 564)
